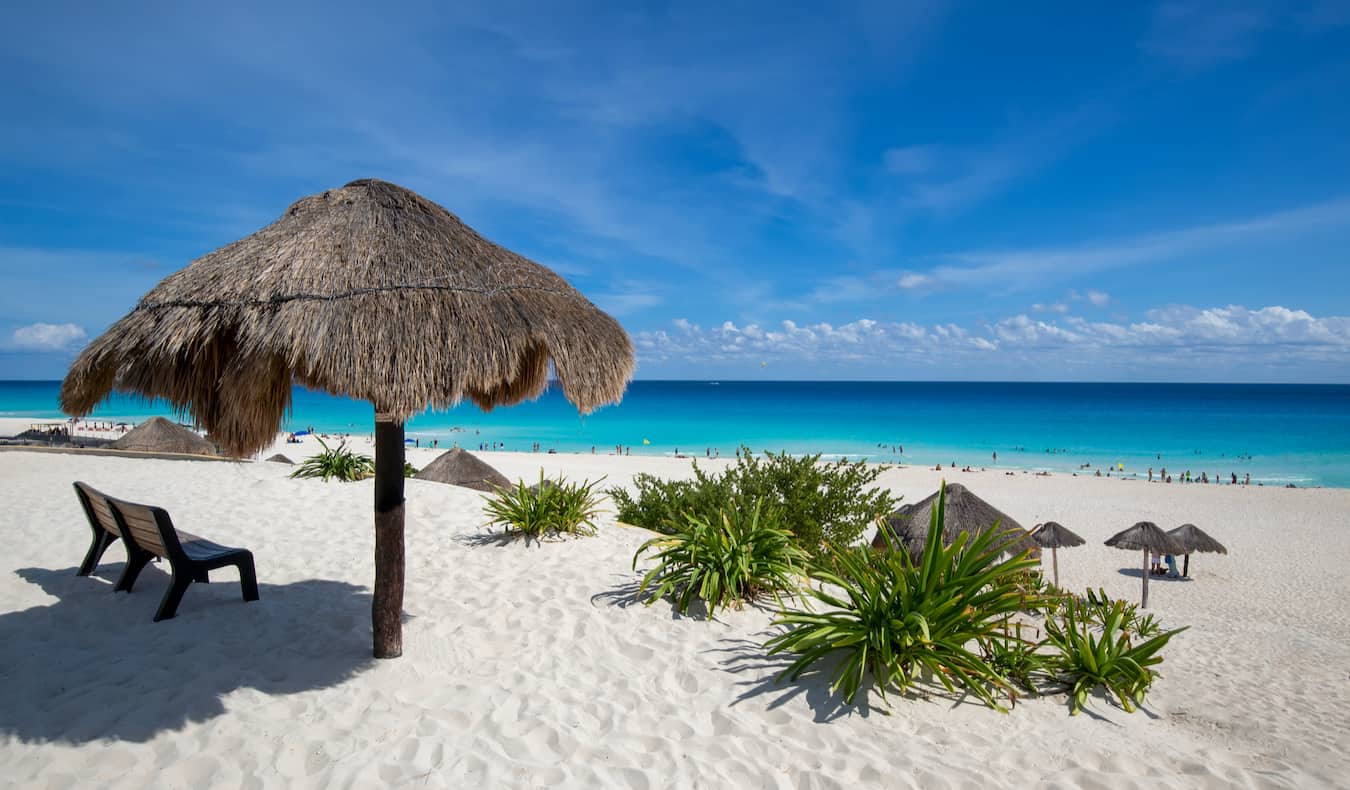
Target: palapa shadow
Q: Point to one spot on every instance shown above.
(93, 665)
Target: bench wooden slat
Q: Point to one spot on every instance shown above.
(144, 530)
(104, 514)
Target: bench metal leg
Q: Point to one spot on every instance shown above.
(137, 559)
(248, 580)
(102, 540)
(169, 606)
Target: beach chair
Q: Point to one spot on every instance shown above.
(148, 532)
(101, 521)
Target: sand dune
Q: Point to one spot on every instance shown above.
(534, 666)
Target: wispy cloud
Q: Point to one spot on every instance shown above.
(1036, 266)
(943, 179)
(1197, 34)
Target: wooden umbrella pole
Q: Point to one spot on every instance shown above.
(1186, 567)
(1054, 560)
(1143, 603)
(386, 610)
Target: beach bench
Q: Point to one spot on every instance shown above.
(148, 532)
(101, 521)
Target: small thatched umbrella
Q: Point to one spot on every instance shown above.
(965, 513)
(158, 435)
(280, 458)
(1194, 539)
(461, 468)
(1147, 537)
(1055, 536)
(372, 292)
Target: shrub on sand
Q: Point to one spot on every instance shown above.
(550, 508)
(1088, 656)
(739, 555)
(336, 462)
(817, 502)
(889, 621)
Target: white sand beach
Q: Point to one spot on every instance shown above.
(532, 666)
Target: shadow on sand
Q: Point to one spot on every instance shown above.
(1138, 573)
(93, 665)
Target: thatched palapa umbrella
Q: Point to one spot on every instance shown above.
(1055, 536)
(372, 292)
(462, 468)
(1193, 539)
(965, 513)
(158, 435)
(1147, 537)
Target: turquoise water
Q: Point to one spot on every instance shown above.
(1276, 433)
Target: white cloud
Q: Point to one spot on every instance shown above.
(1055, 307)
(47, 337)
(1175, 335)
(914, 280)
(1099, 298)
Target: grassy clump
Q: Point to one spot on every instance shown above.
(336, 462)
(737, 556)
(1091, 653)
(819, 503)
(889, 621)
(550, 508)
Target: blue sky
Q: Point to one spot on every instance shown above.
(896, 191)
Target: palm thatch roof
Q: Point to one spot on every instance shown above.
(1053, 535)
(965, 513)
(281, 459)
(158, 435)
(369, 291)
(1146, 536)
(1193, 539)
(461, 468)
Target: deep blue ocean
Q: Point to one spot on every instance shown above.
(1277, 433)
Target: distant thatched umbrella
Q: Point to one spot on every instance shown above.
(965, 513)
(1194, 539)
(368, 291)
(461, 468)
(281, 459)
(1055, 536)
(1147, 537)
(158, 435)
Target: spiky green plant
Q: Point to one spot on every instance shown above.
(550, 508)
(1016, 659)
(336, 462)
(1088, 656)
(737, 556)
(1098, 607)
(897, 620)
(409, 470)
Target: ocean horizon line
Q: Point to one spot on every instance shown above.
(714, 379)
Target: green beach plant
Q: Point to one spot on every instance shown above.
(817, 502)
(661, 505)
(550, 508)
(1017, 659)
(896, 621)
(736, 556)
(1090, 656)
(409, 470)
(336, 462)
